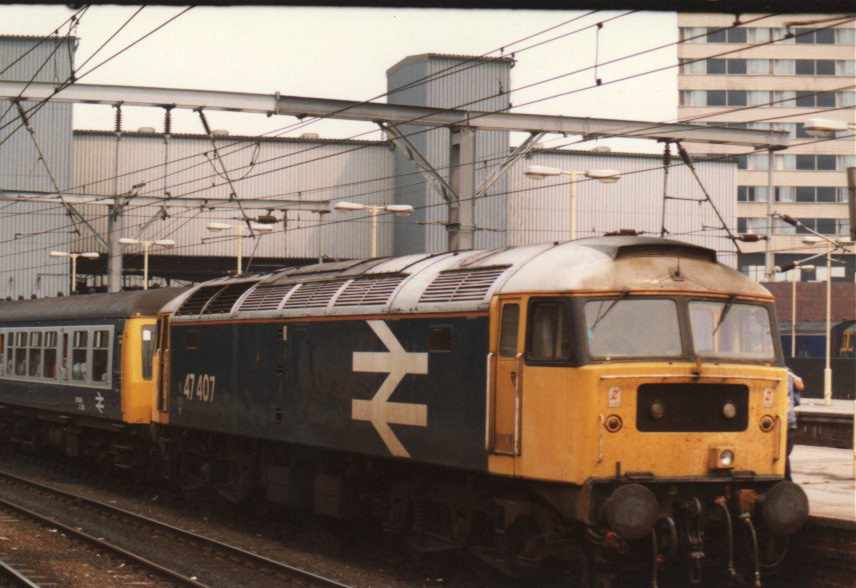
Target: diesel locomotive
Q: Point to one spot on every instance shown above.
(618, 403)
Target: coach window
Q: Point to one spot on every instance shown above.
(10, 354)
(2, 353)
(35, 370)
(100, 356)
(149, 337)
(50, 355)
(549, 331)
(65, 353)
(21, 340)
(79, 356)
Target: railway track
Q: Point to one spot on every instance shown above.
(180, 555)
(13, 575)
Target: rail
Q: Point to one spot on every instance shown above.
(160, 529)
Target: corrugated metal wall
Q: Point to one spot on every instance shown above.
(29, 231)
(538, 210)
(454, 82)
(259, 168)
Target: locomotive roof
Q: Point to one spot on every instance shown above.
(88, 306)
(467, 280)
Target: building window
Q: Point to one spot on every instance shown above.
(728, 35)
(815, 67)
(715, 66)
(751, 193)
(814, 36)
(717, 98)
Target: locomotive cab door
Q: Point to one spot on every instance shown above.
(163, 363)
(505, 370)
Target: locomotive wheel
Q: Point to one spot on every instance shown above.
(518, 543)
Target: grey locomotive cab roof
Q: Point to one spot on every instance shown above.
(88, 306)
(466, 281)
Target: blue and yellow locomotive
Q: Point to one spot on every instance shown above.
(617, 400)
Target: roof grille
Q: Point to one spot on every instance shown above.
(197, 301)
(462, 285)
(668, 250)
(313, 294)
(226, 298)
(365, 291)
(265, 297)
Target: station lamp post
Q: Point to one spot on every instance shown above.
(604, 176)
(239, 237)
(73, 257)
(399, 209)
(166, 243)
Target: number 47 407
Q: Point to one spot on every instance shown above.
(199, 387)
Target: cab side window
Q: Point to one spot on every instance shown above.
(508, 330)
(549, 331)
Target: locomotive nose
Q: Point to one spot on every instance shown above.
(631, 511)
(785, 508)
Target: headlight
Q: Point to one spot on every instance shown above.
(721, 458)
(657, 410)
(729, 410)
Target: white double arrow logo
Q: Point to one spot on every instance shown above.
(379, 411)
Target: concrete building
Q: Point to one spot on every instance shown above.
(28, 231)
(783, 81)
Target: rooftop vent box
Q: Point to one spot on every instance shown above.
(310, 136)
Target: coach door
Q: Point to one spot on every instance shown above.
(505, 365)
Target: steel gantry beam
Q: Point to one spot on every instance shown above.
(460, 191)
(391, 113)
(319, 206)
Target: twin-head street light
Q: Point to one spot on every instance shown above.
(604, 176)
(73, 257)
(399, 209)
(239, 237)
(832, 245)
(165, 243)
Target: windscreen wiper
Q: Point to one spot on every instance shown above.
(600, 317)
(722, 316)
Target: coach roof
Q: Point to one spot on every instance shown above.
(88, 306)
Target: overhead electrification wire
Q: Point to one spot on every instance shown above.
(76, 78)
(373, 180)
(442, 73)
(542, 99)
(657, 168)
(42, 40)
(416, 119)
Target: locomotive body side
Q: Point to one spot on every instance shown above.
(333, 384)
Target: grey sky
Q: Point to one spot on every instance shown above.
(344, 53)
